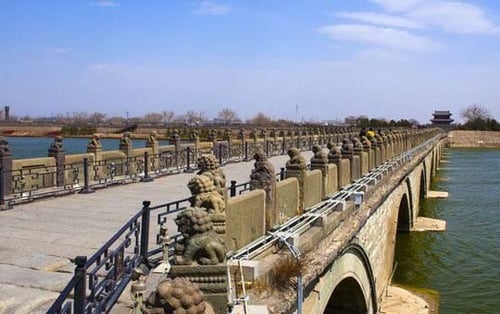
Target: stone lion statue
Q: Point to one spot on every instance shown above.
(334, 153)
(175, 296)
(205, 194)
(365, 142)
(357, 145)
(126, 138)
(57, 145)
(347, 147)
(200, 244)
(153, 137)
(209, 166)
(296, 161)
(319, 157)
(95, 141)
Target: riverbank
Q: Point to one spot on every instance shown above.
(468, 139)
(52, 131)
(404, 299)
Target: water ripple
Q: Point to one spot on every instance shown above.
(461, 263)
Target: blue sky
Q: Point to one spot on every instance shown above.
(329, 59)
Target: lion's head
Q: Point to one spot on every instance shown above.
(201, 184)
(207, 162)
(193, 220)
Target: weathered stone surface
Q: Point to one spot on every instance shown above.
(429, 224)
(344, 172)
(437, 194)
(355, 168)
(34, 261)
(313, 182)
(245, 219)
(287, 198)
(24, 300)
(474, 139)
(25, 277)
(332, 185)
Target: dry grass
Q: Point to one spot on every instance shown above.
(284, 272)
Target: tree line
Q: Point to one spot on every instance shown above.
(478, 117)
(164, 118)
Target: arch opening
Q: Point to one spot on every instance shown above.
(404, 215)
(423, 184)
(347, 298)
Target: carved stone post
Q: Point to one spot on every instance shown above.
(5, 171)
(363, 157)
(253, 143)
(263, 177)
(320, 161)
(228, 138)
(95, 147)
(343, 166)
(56, 150)
(175, 139)
(377, 145)
(296, 168)
(126, 145)
(201, 257)
(153, 143)
(348, 153)
(195, 138)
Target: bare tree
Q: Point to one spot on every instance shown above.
(261, 120)
(153, 118)
(116, 120)
(97, 117)
(168, 116)
(475, 112)
(80, 117)
(192, 118)
(227, 115)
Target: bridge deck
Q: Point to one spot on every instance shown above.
(40, 238)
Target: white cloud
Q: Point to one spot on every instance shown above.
(105, 3)
(379, 37)
(455, 17)
(398, 5)
(381, 19)
(212, 8)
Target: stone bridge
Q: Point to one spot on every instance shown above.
(347, 241)
(335, 221)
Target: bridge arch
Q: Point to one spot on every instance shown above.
(352, 285)
(405, 209)
(433, 163)
(423, 181)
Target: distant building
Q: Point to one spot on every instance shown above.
(442, 118)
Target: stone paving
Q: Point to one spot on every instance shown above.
(40, 238)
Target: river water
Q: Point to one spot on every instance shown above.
(462, 263)
(30, 147)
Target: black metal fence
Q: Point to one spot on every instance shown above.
(33, 180)
(37, 181)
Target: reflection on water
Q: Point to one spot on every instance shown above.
(461, 263)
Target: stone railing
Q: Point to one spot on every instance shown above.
(245, 214)
(59, 174)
